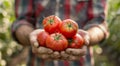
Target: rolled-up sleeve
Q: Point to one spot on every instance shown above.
(97, 16)
(24, 14)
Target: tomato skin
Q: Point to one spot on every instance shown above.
(69, 28)
(76, 42)
(51, 24)
(56, 42)
(41, 38)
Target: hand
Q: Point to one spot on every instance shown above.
(39, 51)
(42, 52)
(76, 54)
(73, 54)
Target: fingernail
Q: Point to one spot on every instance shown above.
(56, 53)
(33, 38)
(41, 50)
(36, 44)
(68, 51)
(64, 55)
(50, 51)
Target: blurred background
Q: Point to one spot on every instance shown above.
(106, 54)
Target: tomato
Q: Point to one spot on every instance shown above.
(76, 42)
(57, 42)
(41, 38)
(51, 24)
(69, 28)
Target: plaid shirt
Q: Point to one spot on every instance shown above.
(84, 12)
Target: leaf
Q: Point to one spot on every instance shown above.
(6, 4)
(12, 18)
(1, 17)
(2, 36)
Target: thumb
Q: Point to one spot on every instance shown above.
(85, 36)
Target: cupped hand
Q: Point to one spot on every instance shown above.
(40, 51)
(68, 54)
(76, 54)
(73, 54)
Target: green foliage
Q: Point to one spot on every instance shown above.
(6, 19)
(113, 7)
(111, 46)
(8, 47)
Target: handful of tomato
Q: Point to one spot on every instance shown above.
(59, 34)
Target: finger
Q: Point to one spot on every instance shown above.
(36, 32)
(33, 35)
(49, 51)
(85, 36)
(34, 50)
(43, 50)
(33, 39)
(86, 39)
(78, 52)
(36, 45)
(64, 55)
(44, 56)
(73, 58)
(82, 32)
(55, 55)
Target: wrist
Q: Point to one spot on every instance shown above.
(96, 35)
(22, 34)
(16, 25)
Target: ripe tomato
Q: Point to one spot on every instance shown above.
(57, 42)
(41, 38)
(69, 28)
(76, 42)
(51, 23)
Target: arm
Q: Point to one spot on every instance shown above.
(23, 25)
(23, 29)
(98, 33)
(96, 25)
(22, 34)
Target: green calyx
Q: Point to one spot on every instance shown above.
(57, 37)
(69, 25)
(51, 21)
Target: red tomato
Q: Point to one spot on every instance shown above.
(76, 42)
(51, 23)
(69, 28)
(57, 42)
(41, 38)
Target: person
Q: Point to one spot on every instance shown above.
(89, 14)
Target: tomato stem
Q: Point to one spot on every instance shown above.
(69, 25)
(57, 37)
(51, 21)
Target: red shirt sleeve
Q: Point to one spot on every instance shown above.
(96, 15)
(24, 13)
